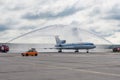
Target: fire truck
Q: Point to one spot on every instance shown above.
(117, 49)
(4, 48)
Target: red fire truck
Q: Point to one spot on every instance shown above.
(117, 49)
(4, 48)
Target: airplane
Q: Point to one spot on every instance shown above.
(61, 44)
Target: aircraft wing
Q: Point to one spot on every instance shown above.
(52, 48)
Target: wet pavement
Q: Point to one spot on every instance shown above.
(60, 66)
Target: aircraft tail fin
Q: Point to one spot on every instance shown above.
(58, 41)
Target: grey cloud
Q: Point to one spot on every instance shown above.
(13, 6)
(114, 13)
(113, 17)
(95, 11)
(26, 27)
(3, 27)
(16, 8)
(49, 15)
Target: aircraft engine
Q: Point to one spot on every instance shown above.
(63, 41)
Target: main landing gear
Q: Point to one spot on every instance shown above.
(76, 50)
(87, 51)
(60, 51)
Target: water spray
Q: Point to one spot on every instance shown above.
(75, 32)
(32, 32)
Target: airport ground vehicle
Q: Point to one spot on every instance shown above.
(4, 48)
(31, 52)
(117, 49)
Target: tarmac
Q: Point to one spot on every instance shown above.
(60, 66)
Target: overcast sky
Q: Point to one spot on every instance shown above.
(99, 16)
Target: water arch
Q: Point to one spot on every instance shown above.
(68, 32)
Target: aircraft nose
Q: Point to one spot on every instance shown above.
(94, 46)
